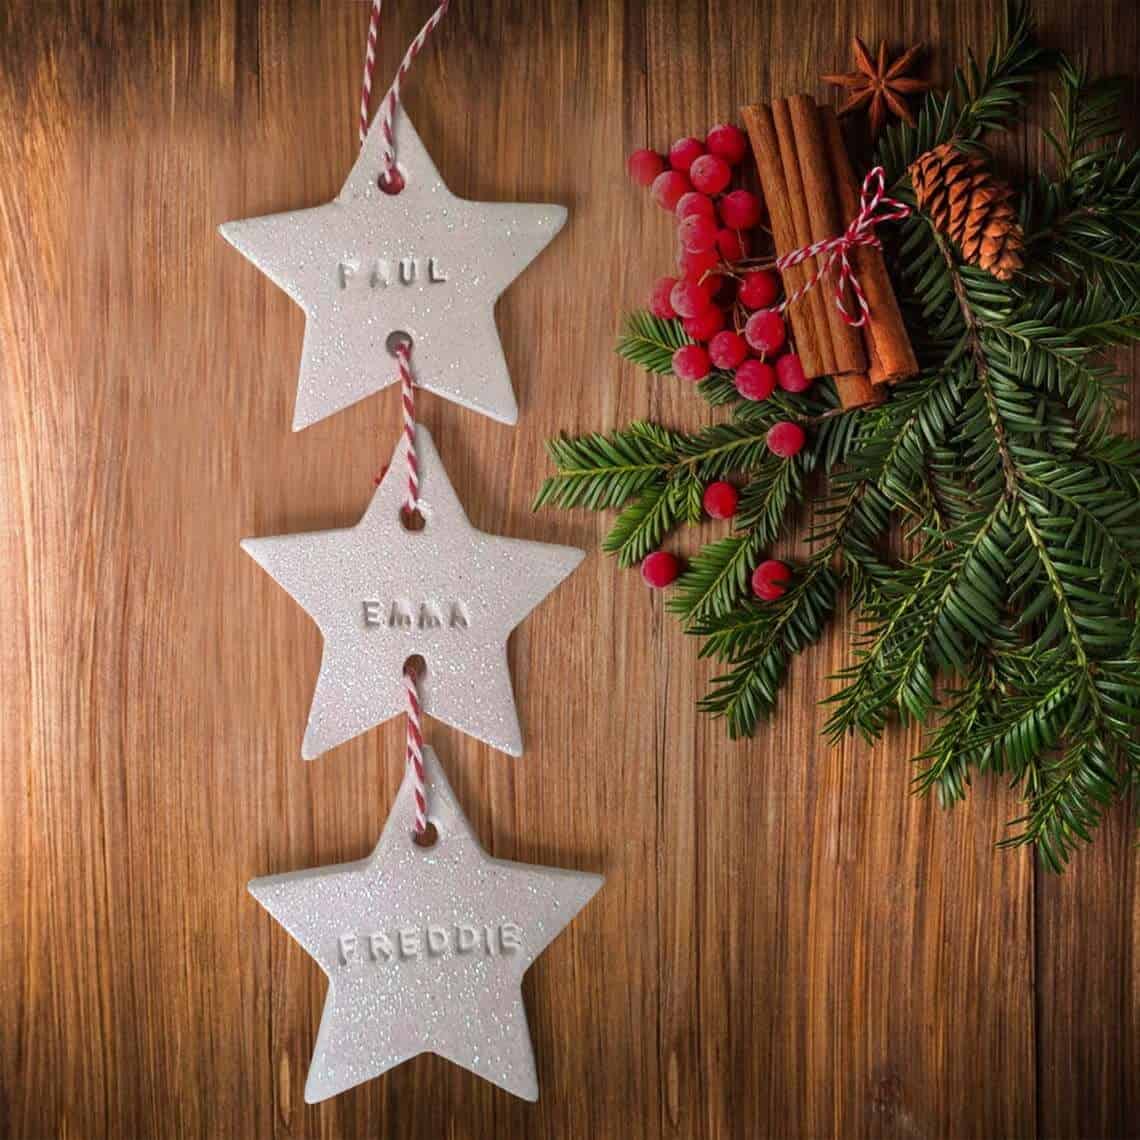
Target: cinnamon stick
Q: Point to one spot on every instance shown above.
(888, 345)
(856, 390)
(765, 149)
(825, 222)
(814, 299)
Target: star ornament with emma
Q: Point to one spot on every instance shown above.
(381, 593)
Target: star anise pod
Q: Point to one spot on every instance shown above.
(879, 83)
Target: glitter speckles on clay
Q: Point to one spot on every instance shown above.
(425, 948)
(380, 594)
(422, 261)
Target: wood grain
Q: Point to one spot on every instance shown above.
(788, 944)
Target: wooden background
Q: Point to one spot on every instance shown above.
(788, 944)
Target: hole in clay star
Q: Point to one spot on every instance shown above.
(415, 666)
(412, 520)
(391, 181)
(427, 837)
(396, 340)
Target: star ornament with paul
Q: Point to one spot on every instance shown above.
(419, 261)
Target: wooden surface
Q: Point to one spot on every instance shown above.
(788, 944)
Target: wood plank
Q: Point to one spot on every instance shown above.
(788, 945)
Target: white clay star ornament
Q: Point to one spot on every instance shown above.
(425, 948)
(381, 593)
(421, 262)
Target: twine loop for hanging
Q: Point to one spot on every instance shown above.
(390, 179)
(392, 182)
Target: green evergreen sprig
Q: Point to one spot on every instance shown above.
(983, 523)
(650, 342)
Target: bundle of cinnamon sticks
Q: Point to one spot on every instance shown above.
(812, 194)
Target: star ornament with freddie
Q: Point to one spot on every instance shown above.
(425, 948)
(421, 262)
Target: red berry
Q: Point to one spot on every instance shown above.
(759, 289)
(720, 500)
(728, 142)
(709, 174)
(755, 380)
(770, 580)
(697, 234)
(790, 373)
(691, 362)
(740, 210)
(727, 349)
(644, 165)
(668, 187)
(659, 569)
(694, 203)
(764, 330)
(689, 298)
(704, 326)
(695, 265)
(659, 304)
(785, 439)
(683, 152)
(731, 244)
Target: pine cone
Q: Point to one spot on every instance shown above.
(971, 206)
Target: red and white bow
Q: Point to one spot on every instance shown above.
(874, 207)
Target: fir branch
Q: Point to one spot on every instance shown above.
(721, 449)
(650, 341)
(1050, 360)
(718, 389)
(717, 578)
(1097, 525)
(758, 640)
(1083, 225)
(929, 616)
(945, 764)
(1062, 548)
(599, 471)
(1068, 799)
(644, 523)
(979, 99)
(1006, 617)
(775, 485)
(1086, 112)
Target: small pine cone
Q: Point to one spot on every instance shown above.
(971, 206)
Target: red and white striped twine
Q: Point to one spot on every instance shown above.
(403, 349)
(369, 67)
(416, 748)
(392, 98)
(415, 735)
(861, 231)
(408, 403)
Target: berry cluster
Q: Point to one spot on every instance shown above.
(726, 298)
(723, 295)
